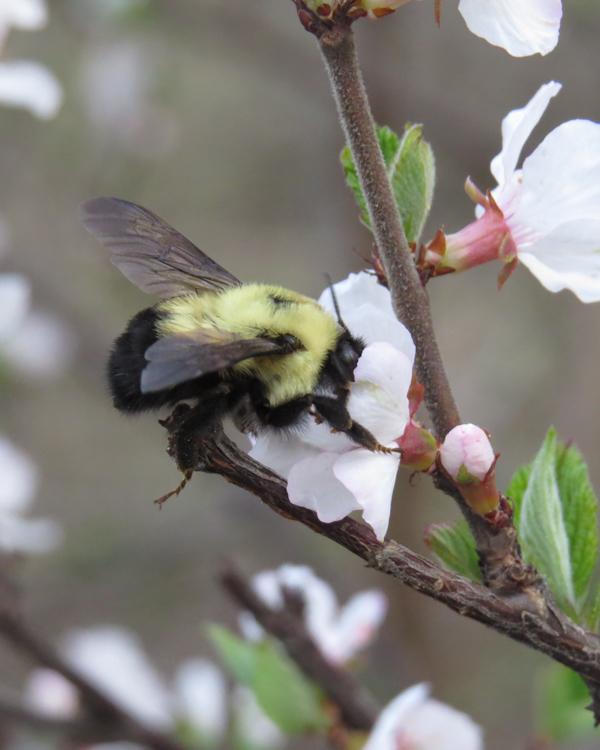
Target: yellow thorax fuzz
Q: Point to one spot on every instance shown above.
(252, 310)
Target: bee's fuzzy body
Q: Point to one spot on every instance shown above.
(263, 354)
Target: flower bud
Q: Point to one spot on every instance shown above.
(418, 447)
(468, 458)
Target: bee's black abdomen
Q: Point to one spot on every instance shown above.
(127, 361)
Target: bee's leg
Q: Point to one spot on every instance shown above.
(197, 422)
(334, 411)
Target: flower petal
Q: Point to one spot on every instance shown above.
(568, 258)
(31, 86)
(15, 293)
(516, 129)
(42, 347)
(388, 729)
(521, 27)
(252, 726)
(113, 659)
(279, 451)
(379, 397)
(560, 180)
(51, 694)
(35, 536)
(357, 625)
(366, 308)
(435, 725)
(19, 479)
(201, 698)
(23, 14)
(370, 477)
(313, 485)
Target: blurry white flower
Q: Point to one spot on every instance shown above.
(328, 473)
(467, 450)
(17, 488)
(24, 83)
(22, 14)
(27, 84)
(34, 343)
(200, 694)
(545, 214)
(50, 694)
(251, 725)
(339, 632)
(413, 721)
(114, 660)
(521, 27)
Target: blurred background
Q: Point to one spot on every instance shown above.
(218, 117)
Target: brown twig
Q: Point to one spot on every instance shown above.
(115, 721)
(500, 558)
(356, 709)
(531, 620)
(409, 297)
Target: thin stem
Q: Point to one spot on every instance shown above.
(409, 297)
(357, 710)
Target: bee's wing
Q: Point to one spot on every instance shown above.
(150, 253)
(175, 359)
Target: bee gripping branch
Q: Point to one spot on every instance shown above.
(526, 619)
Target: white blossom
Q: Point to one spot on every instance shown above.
(328, 473)
(31, 86)
(32, 342)
(413, 721)
(17, 489)
(521, 27)
(339, 632)
(200, 698)
(545, 214)
(29, 15)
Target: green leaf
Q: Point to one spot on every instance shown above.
(542, 527)
(580, 509)
(454, 546)
(285, 695)
(562, 698)
(516, 491)
(238, 655)
(568, 474)
(282, 691)
(410, 166)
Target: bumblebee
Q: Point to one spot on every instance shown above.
(262, 354)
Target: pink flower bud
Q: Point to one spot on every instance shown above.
(468, 458)
(467, 453)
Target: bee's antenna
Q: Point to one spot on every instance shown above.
(336, 305)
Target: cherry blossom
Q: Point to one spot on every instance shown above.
(328, 473)
(416, 722)
(467, 450)
(546, 214)
(339, 632)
